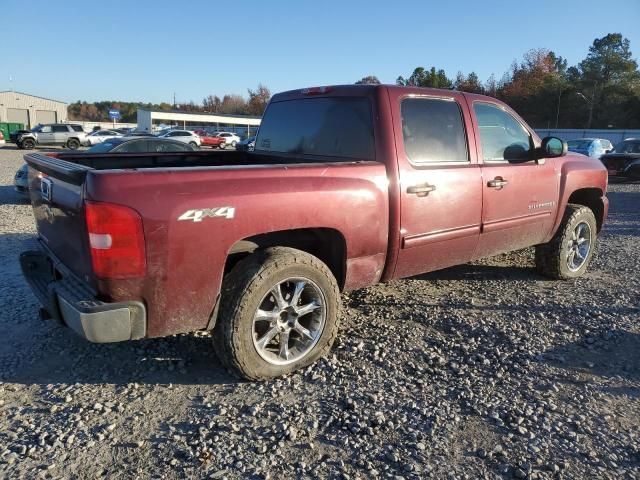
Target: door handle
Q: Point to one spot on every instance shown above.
(497, 182)
(421, 190)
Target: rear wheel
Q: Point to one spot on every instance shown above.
(73, 144)
(570, 251)
(223, 146)
(278, 313)
(234, 143)
(28, 144)
(193, 144)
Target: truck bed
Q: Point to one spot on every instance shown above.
(195, 208)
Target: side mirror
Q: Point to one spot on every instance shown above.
(553, 147)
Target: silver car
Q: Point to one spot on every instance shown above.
(184, 136)
(62, 134)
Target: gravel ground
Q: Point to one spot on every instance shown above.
(480, 371)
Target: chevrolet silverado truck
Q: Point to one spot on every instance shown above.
(347, 186)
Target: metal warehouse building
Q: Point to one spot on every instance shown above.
(16, 107)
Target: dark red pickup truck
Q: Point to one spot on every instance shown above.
(348, 186)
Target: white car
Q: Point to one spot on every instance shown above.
(229, 139)
(183, 136)
(100, 136)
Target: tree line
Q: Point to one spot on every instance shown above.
(254, 105)
(602, 91)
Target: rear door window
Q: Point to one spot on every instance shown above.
(433, 131)
(339, 127)
(60, 128)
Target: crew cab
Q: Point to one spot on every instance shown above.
(347, 186)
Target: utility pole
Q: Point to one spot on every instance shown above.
(590, 103)
(593, 99)
(174, 100)
(558, 110)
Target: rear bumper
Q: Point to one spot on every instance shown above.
(72, 303)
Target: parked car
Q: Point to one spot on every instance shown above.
(208, 140)
(183, 136)
(61, 134)
(624, 160)
(20, 180)
(100, 136)
(259, 255)
(591, 147)
(2, 140)
(123, 130)
(140, 145)
(246, 145)
(230, 139)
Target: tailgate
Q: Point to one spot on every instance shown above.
(56, 191)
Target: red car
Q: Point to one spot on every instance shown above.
(209, 140)
(348, 186)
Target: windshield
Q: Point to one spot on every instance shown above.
(579, 143)
(628, 146)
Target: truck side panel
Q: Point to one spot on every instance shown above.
(193, 217)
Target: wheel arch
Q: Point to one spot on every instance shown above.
(590, 197)
(327, 244)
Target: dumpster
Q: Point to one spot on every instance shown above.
(9, 127)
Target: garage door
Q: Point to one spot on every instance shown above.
(45, 116)
(18, 115)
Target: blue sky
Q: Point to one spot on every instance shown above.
(145, 50)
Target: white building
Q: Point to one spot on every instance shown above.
(17, 107)
(239, 123)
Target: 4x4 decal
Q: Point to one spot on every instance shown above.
(201, 214)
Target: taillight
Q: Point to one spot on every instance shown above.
(116, 240)
(315, 90)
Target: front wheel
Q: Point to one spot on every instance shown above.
(73, 144)
(234, 143)
(28, 144)
(278, 313)
(570, 251)
(222, 146)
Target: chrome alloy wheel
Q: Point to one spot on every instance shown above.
(579, 246)
(289, 321)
